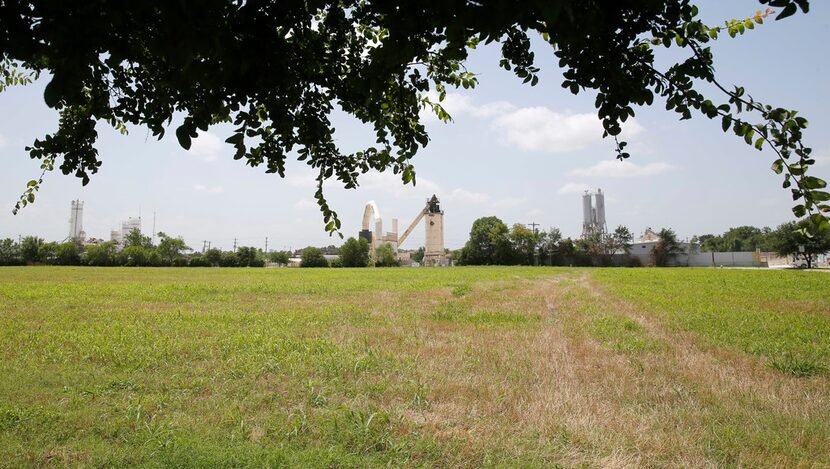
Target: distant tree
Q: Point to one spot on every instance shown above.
(385, 256)
(170, 248)
(47, 252)
(279, 257)
(134, 255)
(214, 257)
(418, 255)
(354, 253)
(198, 261)
(249, 257)
(67, 254)
(620, 239)
(229, 259)
(101, 255)
(30, 249)
(135, 238)
(547, 245)
(10, 252)
(313, 257)
(738, 239)
(666, 249)
(524, 242)
(792, 239)
(489, 243)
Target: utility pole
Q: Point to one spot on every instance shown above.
(204, 245)
(234, 245)
(266, 245)
(153, 238)
(534, 225)
(208, 246)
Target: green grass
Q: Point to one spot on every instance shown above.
(781, 316)
(403, 367)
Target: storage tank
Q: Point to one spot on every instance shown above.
(587, 215)
(600, 208)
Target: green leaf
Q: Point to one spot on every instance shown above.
(235, 139)
(812, 182)
(778, 166)
(759, 143)
(183, 135)
(799, 211)
(727, 121)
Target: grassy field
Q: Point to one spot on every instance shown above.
(531, 367)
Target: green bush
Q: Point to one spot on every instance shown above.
(313, 257)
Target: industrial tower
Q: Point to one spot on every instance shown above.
(76, 221)
(593, 214)
(434, 225)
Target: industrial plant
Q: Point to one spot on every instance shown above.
(593, 213)
(76, 222)
(434, 253)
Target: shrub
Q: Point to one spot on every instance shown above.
(67, 254)
(385, 256)
(313, 257)
(198, 261)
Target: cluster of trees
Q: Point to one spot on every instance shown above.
(798, 239)
(493, 243)
(353, 253)
(738, 239)
(137, 251)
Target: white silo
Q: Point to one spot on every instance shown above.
(600, 219)
(587, 210)
(76, 221)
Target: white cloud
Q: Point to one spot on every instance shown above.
(574, 188)
(392, 184)
(532, 128)
(467, 197)
(622, 169)
(305, 204)
(208, 189)
(541, 129)
(207, 146)
(302, 178)
(457, 105)
(510, 202)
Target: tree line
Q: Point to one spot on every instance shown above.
(491, 242)
(137, 250)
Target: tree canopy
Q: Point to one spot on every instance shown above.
(789, 239)
(276, 70)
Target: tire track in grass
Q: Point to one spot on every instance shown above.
(750, 413)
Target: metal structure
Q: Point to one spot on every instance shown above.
(593, 213)
(76, 221)
(434, 254)
(132, 223)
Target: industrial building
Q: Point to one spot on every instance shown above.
(119, 235)
(433, 216)
(76, 222)
(593, 213)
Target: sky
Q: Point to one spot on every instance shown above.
(522, 153)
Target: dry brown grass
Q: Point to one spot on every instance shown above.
(547, 391)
